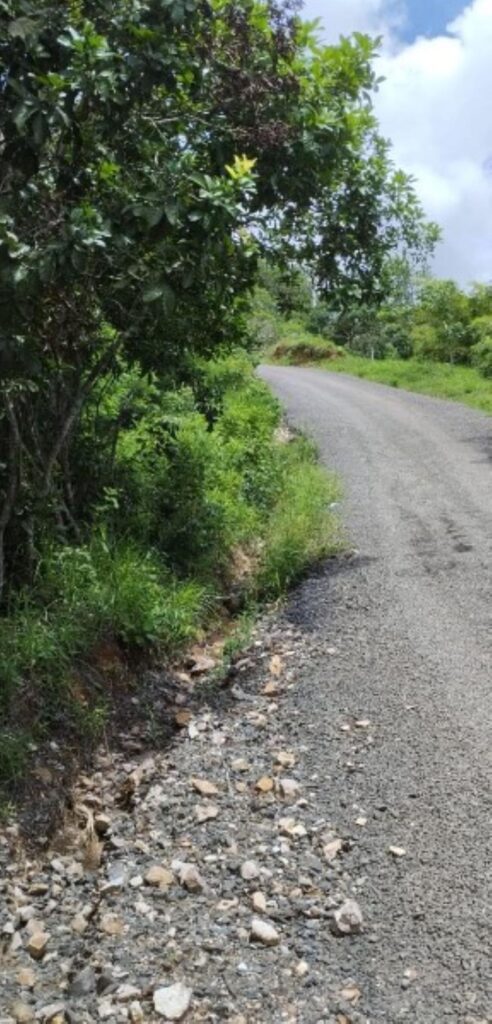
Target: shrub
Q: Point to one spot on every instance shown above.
(482, 357)
(425, 342)
(298, 347)
(482, 327)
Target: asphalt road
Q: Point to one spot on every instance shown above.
(403, 638)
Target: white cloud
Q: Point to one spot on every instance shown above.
(435, 107)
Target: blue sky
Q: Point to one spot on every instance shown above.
(430, 17)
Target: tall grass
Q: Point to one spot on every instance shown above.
(301, 529)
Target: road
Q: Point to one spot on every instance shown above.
(404, 639)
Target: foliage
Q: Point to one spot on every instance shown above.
(482, 357)
(151, 152)
(443, 307)
(188, 492)
(482, 327)
(480, 300)
(297, 346)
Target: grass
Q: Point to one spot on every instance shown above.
(301, 529)
(458, 383)
(253, 490)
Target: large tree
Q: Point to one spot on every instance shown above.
(151, 150)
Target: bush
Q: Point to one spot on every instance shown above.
(482, 357)
(482, 327)
(425, 341)
(298, 347)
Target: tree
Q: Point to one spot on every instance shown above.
(151, 151)
(444, 308)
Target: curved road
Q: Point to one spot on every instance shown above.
(403, 637)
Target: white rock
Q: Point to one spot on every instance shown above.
(264, 932)
(106, 1009)
(259, 902)
(173, 1001)
(206, 812)
(249, 870)
(289, 827)
(348, 920)
(52, 1011)
(302, 968)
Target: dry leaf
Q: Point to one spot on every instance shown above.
(271, 689)
(289, 827)
(202, 663)
(183, 718)
(93, 852)
(285, 758)
(351, 993)
(276, 665)
(204, 787)
(265, 784)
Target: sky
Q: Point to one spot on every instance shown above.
(436, 107)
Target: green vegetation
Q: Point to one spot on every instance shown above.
(427, 335)
(241, 495)
(158, 161)
(459, 383)
(295, 346)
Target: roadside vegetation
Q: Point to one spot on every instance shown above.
(157, 161)
(427, 335)
(442, 380)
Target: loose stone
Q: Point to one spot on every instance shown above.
(36, 947)
(159, 876)
(264, 932)
(249, 870)
(173, 1001)
(348, 920)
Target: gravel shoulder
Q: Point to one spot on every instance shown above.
(314, 847)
